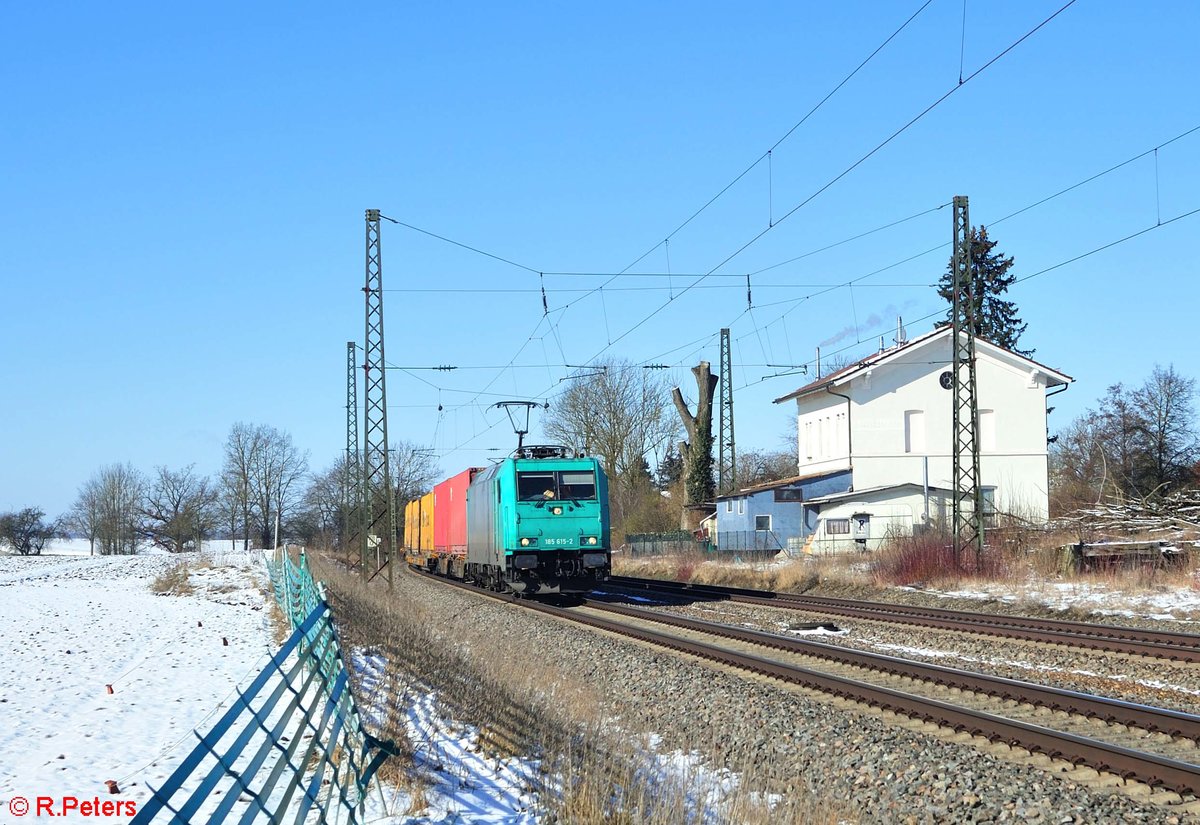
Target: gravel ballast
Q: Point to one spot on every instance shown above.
(879, 771)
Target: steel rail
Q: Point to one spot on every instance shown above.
(1127, 763)
(1113, 711)
(1184, 647)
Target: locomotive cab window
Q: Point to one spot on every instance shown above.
(536, 486)
(577, 485)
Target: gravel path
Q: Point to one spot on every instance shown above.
(881, 772)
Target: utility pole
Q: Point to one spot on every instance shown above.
(726, 452)
(379, 508)
(968, 495)
(352, 482)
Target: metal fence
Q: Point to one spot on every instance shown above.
(748, 542)
(292, 746)
(663, 544)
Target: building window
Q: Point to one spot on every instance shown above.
(989, 506)
(762, 523)
(914, 431)
(741, 506)
(789, 494)
(987, 430)
(837, 526)
(729, 505)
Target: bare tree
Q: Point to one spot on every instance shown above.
(621, 413)
(323, 514)
(1078, 466)
(84, 516)
(25, 531)
(118, 489)
(241, 451)
(179, 508)
(763, 466)
(697, 450)
(276, 471)
(414, 470)
(230, 512)
(1169, 422)
(1135, 444)
(618, 412)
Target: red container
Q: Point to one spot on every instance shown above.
(450, 513)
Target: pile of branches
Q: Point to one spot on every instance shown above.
(1173, 515)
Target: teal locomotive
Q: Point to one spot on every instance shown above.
(535, 523)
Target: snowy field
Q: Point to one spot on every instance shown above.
(71, 625)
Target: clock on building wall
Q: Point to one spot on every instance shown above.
(946, 379)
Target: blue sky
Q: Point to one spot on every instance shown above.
(184, 187)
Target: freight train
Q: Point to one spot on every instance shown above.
(534, 523)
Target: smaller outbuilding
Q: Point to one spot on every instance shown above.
(772, 516)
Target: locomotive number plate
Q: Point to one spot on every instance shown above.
(556, 542)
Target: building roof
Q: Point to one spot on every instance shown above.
(774, 485)
(848, 372)
(872, 491)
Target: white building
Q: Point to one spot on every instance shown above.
(888, 420)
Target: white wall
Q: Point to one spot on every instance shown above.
(823, 434)
(891, 512)
(1013, 439)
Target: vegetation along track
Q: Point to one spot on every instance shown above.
(981, 705)
(1183, 647)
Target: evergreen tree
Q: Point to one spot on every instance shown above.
(995, 318)
(670, 469)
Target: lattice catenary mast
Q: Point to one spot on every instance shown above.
(968, 495)
(726, 452)
(379, 519)
(352, 470)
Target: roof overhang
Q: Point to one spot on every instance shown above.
(846, 374)
(875, 491)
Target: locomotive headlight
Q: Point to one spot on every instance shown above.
(556, 511)
(524, 542)
(591, 540)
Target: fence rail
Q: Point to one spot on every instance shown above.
(753, 541)
(292, 746)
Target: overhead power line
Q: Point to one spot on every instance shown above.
(941, 312)
(840, 175)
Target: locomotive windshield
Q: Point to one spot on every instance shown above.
(536, 486)
(577, 484)
(569, 484)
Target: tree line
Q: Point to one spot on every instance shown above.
(264, 484)
(1137, 442)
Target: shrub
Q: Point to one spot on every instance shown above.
(174, 581)
(929, 558)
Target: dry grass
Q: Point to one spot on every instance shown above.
(793, 576)
(529, 705)
(173, 581)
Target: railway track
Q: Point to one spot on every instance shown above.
(1182, 647)
(1134, 742)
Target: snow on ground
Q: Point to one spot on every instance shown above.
(1164, 603)
(462, 779)
(459, 780)
(71, 624)
(958, 658)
